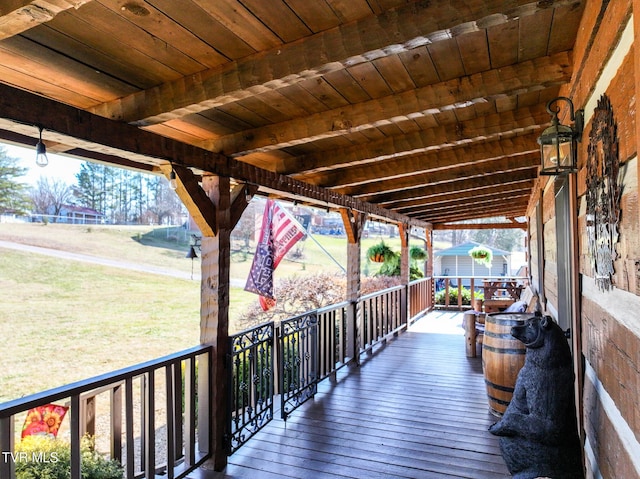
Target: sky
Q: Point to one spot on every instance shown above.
(59, 167)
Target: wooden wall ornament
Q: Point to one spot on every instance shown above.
(603, 194)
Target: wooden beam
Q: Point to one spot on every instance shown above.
(17, 16)
(477, 193)
(461, 187)
(476, 172)
(479, 88)
(199, 205)
(448, 135)
(480, 226)
(465, 160)
(83, 130)
(374, 37)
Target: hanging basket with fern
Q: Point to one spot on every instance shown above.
(379, 252)
(481, 255)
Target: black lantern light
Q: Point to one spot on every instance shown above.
(558, 143)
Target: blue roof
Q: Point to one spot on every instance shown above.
(463, 250)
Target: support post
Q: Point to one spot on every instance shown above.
(353, 225)
(405, 267)
(214, 324)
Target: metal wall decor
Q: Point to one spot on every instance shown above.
(603, 193)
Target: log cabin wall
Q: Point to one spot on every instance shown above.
(608, 325)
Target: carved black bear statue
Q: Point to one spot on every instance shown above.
(539, 436)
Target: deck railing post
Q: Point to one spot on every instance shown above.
(353, 332)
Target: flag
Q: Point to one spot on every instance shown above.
(278, 235)
(44, 420)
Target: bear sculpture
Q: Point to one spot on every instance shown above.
(538, 431)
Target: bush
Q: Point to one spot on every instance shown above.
(42, 457)
(453, 296)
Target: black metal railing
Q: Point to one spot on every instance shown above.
(157, 410)
(136, 416)
(310, 347)
(251, 379)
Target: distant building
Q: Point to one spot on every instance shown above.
(79, 215)
(456, 262)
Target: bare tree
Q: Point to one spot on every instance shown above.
(49, 196)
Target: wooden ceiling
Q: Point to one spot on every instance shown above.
(428, 109)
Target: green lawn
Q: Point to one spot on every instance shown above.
(64, 320)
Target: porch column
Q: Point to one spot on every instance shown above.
(405, 270)
(353, 225)
(214, 319)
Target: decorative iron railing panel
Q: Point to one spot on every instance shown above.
(298, 344)
(251, 379)
(131, 437)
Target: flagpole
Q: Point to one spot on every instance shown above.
(315, 240)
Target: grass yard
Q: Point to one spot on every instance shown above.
(63, 320)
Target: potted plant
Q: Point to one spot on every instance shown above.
(417, 254)
(481, 255)
(379, 252)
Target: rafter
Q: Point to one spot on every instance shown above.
(524, 77)
(471, 158)
(477, 172)
(462, 186)
(371, 38)
(480, 128)
(16, 16)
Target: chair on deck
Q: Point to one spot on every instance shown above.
(473, 321)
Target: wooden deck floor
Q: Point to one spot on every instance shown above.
(414, 409)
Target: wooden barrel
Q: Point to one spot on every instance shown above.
(502, 358)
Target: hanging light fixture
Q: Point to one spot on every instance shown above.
(173, 183)
(558, 143)
(41, 151)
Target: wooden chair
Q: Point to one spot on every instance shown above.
(473, 321)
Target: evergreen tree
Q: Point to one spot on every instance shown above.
(14, 195)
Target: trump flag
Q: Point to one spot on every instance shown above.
(278, 235)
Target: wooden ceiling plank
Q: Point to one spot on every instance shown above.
(461, 186)
(498, 195)
(346, 86)
(73, 48)
(466, 174)
(405, 28)
(243, 23)
(419, 66)
(446, 58)
(394, 73)
(123, 58)
(205, 27)
(44, 87)
(370, 80)
(480, 87)
(279, 17)
(482, 128)
(317, 15)
(533, 39)
(164, 28)
(434, 197)
(475, 156)
(107, 24)
(503, 43)
(60, 70)
(474, 52)
(21, 15)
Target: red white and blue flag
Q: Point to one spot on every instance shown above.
(278, 235)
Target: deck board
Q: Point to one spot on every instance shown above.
(416, 408)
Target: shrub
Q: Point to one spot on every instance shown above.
(453, 296)
(42, 457)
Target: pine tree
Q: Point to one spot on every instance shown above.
(14, 195)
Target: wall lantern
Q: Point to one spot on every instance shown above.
(558, 143)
